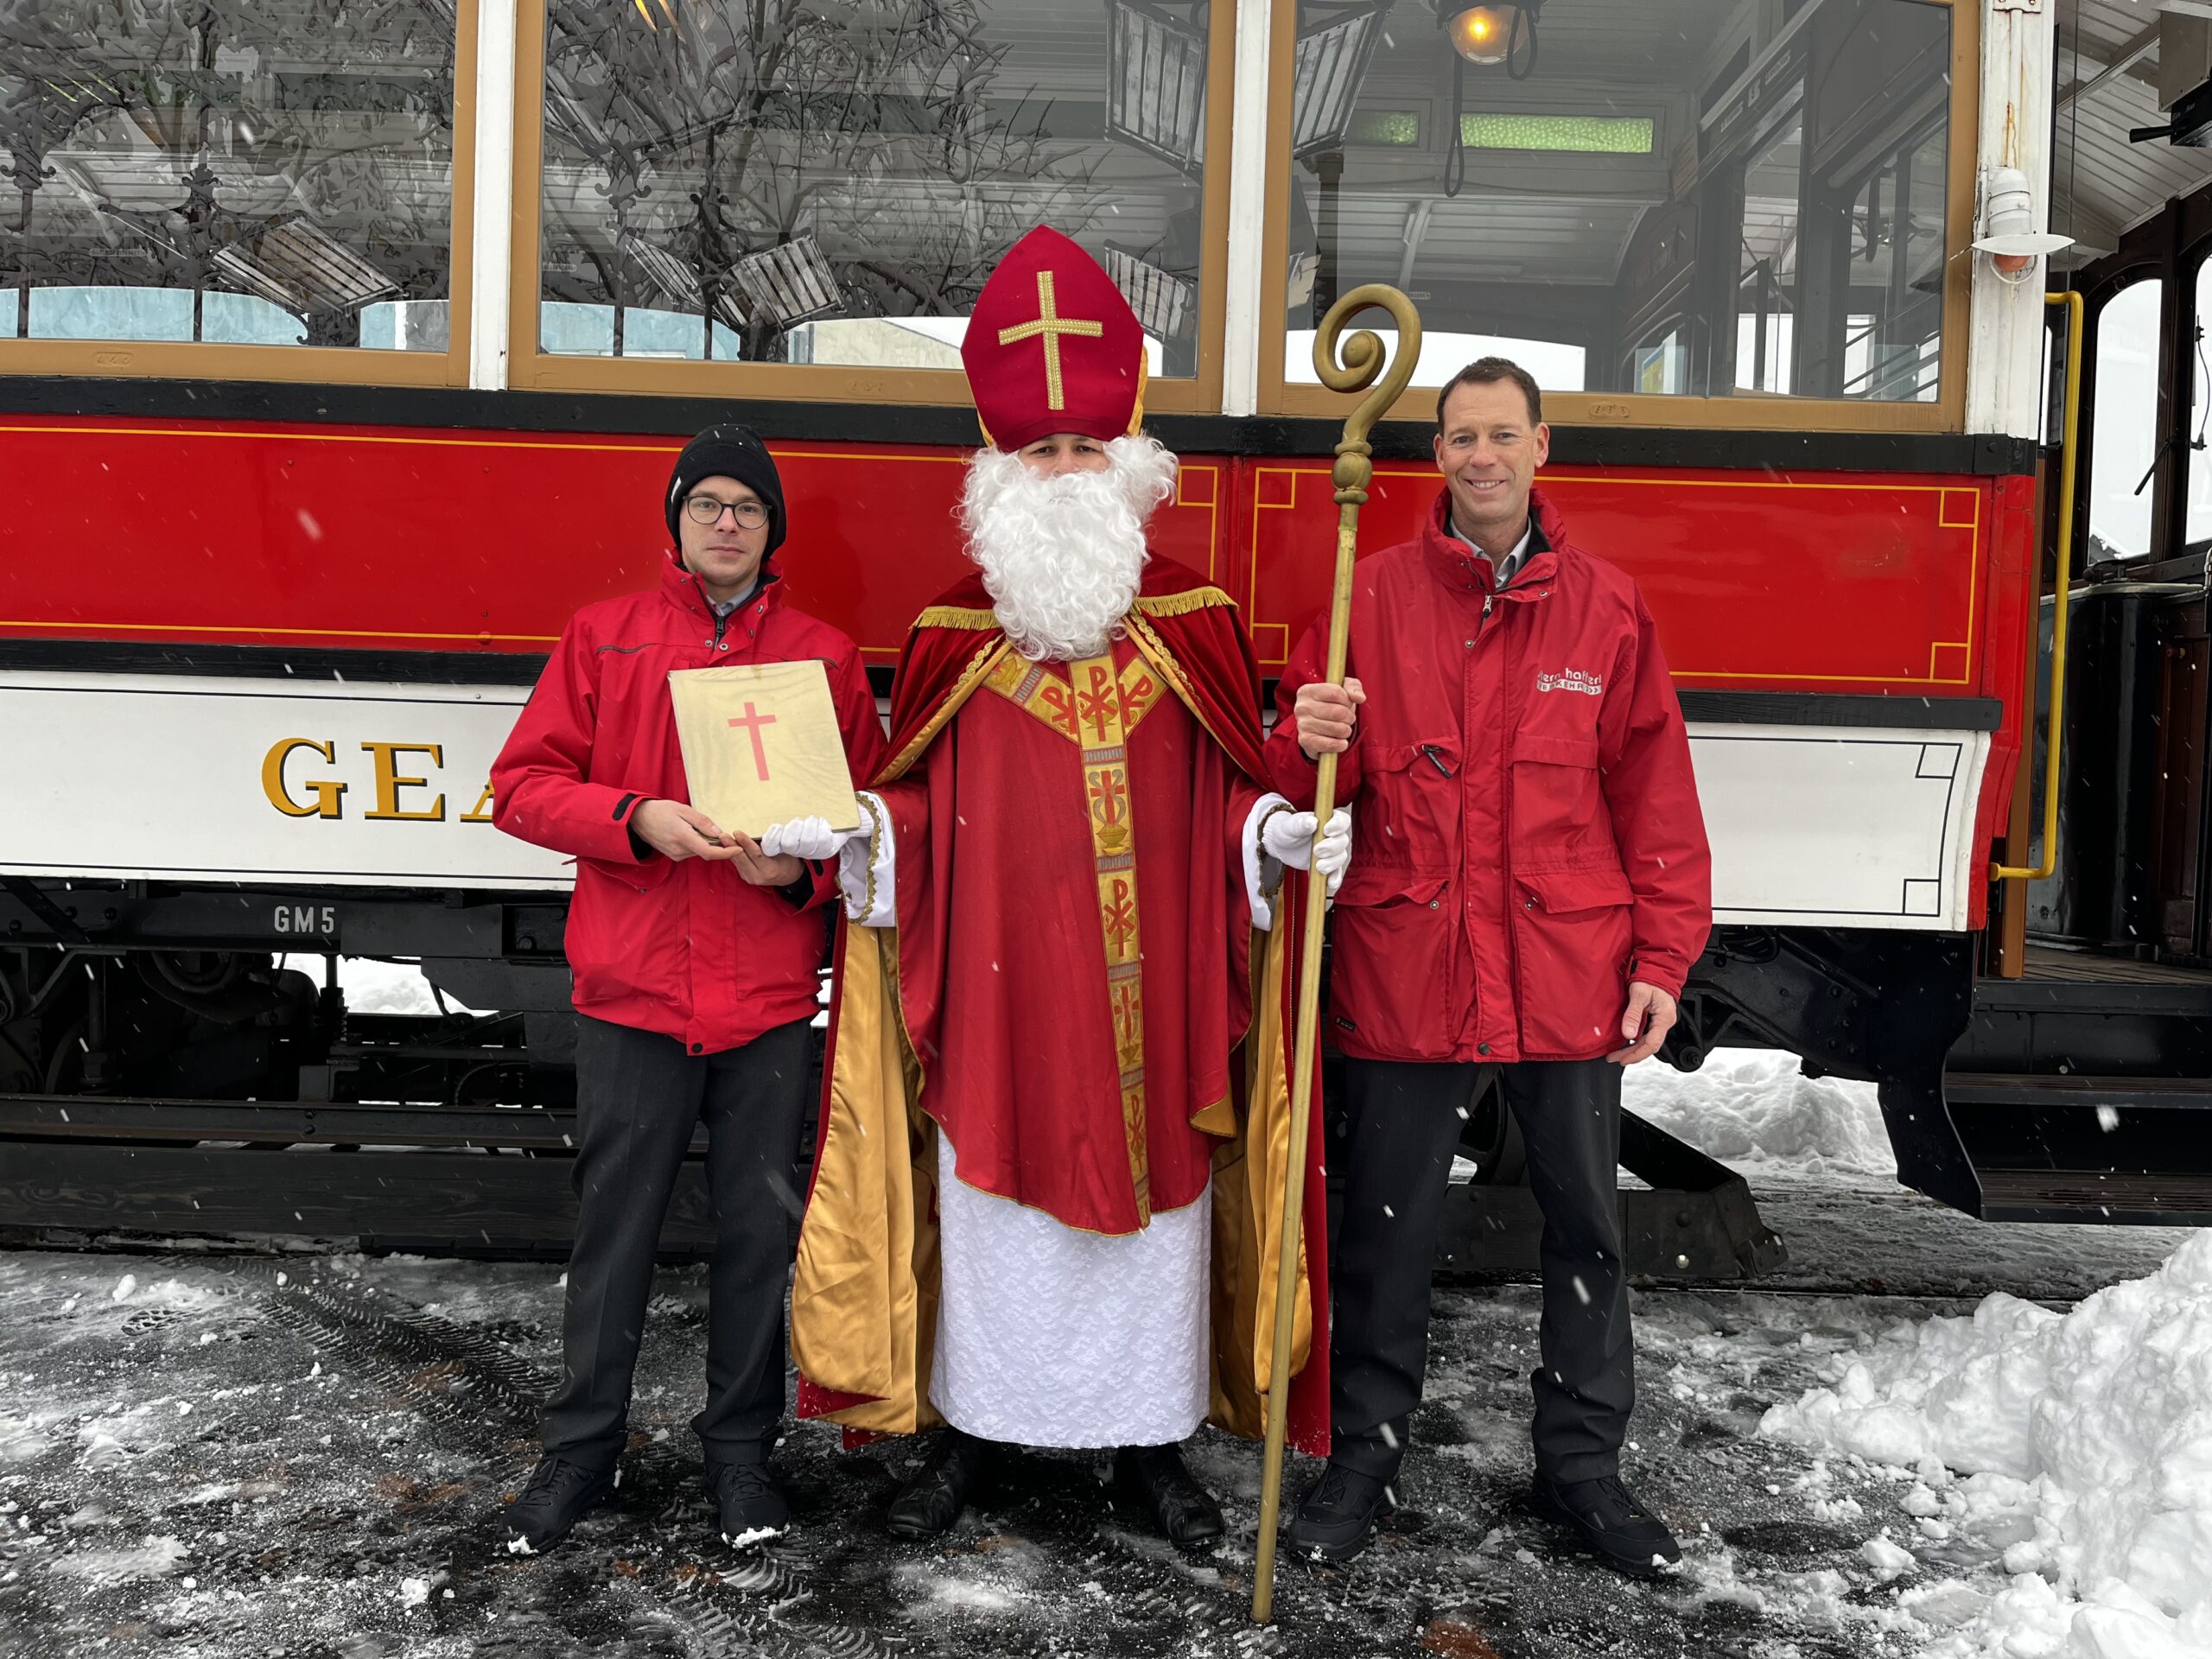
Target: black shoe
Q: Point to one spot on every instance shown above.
(558, 1496)
(1338, 1515)
(1152, 1479)
(752, 1507)
(1618, 1531)
(928, 1504)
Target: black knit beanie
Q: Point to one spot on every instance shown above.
(726, 451)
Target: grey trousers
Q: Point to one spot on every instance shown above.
(1402, 1123)
(638, 1098)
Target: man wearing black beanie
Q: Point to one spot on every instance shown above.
(696, 957)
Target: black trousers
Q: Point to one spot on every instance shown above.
(1403, 1121)
(638, 1098)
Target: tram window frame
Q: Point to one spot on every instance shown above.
(178, 359)
(530, 368)
(2196, 413)
(1747, 410)
(2147, 462)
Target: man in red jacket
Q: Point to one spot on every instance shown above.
(1529, 887)
(696, 955)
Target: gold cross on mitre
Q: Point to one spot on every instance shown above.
(1051, 326)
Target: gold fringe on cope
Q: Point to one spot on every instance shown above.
(956, 616)
(1182, 604)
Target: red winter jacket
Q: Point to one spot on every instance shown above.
(686, 949)
(1526, 835)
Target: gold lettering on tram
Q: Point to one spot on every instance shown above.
(390, 782)
(327, 790)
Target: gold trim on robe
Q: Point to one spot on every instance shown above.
(1182, 604)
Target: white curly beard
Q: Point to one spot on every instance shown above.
(1062, 558)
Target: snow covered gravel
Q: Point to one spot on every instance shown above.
(210, 1455)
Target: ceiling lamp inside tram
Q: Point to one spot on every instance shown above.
(1488, 35)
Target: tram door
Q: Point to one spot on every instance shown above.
(2132, 851)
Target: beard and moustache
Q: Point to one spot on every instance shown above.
(1062, 558)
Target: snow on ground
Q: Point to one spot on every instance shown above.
(218, 1454)
(1752, 1109)
(2075, 1448)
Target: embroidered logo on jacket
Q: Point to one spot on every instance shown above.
(1573, 679)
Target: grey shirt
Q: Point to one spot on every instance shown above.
(724, 606)
(1503, 570)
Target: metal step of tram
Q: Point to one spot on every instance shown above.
(2064, 1146)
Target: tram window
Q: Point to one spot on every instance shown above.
(2199, 520)
(227, 171)
(2123, 434)
(806, 181)
(1715, 198)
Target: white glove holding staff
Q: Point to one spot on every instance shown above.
(809, 838)
(1287, 837)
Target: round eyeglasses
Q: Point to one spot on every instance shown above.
(705, 510)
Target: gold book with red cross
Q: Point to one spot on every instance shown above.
(762, 745)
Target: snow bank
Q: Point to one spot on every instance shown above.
(1752, 1106)
(2087, 1441)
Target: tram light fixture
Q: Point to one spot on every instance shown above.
(2008, 219)
(1487, 35)
(1479, 34)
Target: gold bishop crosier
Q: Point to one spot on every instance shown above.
(1362, 368)
(1052, 325)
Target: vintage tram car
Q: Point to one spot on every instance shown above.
(343, 350)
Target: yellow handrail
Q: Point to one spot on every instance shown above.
(2073, 431)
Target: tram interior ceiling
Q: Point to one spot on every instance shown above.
(1674, 197)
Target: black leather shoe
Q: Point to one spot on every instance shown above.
(559, 1494)
(928, 1504)
(751, 1505)
(1152, 1480)
(1617, 1529)
(1337, 1516)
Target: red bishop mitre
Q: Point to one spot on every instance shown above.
(1052, 346)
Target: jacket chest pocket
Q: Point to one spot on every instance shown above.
(1559, 813)
(1409, 804)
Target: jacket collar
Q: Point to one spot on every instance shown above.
(681, 589)
(1461, 569)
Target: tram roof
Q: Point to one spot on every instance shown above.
(2109, 55)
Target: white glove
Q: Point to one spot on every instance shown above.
(866, 872)
(811, 838)
(1287, 837)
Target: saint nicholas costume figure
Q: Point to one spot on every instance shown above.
(1055, 1137)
